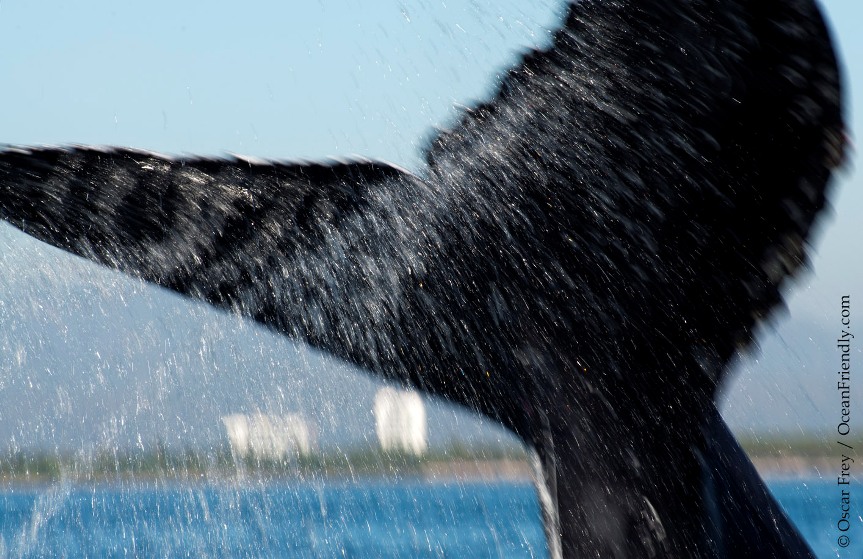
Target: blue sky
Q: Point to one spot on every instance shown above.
(273, 80)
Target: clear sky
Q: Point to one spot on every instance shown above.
(324, 79)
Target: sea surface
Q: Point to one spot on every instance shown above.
(371, 519)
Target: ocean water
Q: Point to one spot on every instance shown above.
(814, 507)
(358, 520)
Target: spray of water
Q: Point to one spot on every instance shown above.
(579, 259)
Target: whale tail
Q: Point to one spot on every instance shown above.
(580, 260)
(601, 502)
(750, 523)
(297, 247)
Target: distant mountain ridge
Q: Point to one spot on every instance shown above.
(92, 358)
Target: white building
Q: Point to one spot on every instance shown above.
(268, 436)
(400, 421)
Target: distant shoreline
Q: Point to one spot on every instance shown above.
(492, 471)
(774, 459)
(505, 470)
(455, 464)
(795, 466)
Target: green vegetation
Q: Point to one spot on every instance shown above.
(805, 446)
(161, 463)
(188, 464)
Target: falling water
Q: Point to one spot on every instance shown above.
(125, 386)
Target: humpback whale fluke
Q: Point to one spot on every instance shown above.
(579, 260)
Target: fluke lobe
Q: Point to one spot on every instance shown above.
(579, 259)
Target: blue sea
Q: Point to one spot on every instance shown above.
(327, 519)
